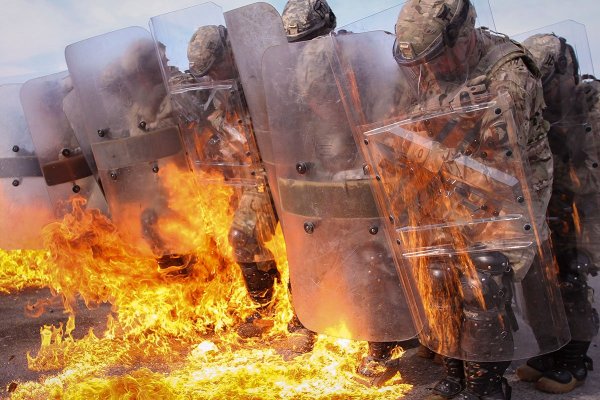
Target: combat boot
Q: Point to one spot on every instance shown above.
(300, 341)
(485, 381)
(535, 367)
(378, 366)
(570, 369)
(453, 383)
(259, 279)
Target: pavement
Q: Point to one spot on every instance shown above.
(19, 334)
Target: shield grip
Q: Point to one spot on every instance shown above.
(67, 170)
(121, 153)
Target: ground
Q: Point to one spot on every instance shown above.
(19, 334)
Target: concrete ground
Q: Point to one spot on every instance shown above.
(20, 334)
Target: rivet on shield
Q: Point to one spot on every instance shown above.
(520, 199)
(16, 182)
(102, 132)
(155, 169)
(301, 168)
(588, 129)
(373, 230)
(509, 153)
(378, 177)
(142, 125)
(113, 175)
(366, 141)
(498, 111)
(76, 189)
(15, 148)
(527, 227)
(309, 227)
(65, 152)
(366, 169)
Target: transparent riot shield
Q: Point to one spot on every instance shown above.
(253, 29)
(344, 281)
(24, 203)
(134, 140)
(208, 99)
(386, 19)
(211, 110)
(453, 186)
(62, 162)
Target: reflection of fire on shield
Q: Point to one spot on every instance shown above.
(25, 206)
(134, 140)
(52, 118)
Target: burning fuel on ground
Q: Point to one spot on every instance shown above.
(170, 333)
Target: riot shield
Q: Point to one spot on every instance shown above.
(134, 139)
(453, 186)
(253, 29)
(24, 203)
(344, 281)
(62, 162)
(572, 109)
(211, 110)
(384, 20)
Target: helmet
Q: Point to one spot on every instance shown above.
(307, 19)
(553, 56)
(206, 48)
(425, 28)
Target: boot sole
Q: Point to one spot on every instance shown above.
(550, 386)
(528, 374)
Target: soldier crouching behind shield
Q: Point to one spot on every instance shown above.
(136, 83)
(438, 42)
(254, 220)
(305, 20)
(573, 110)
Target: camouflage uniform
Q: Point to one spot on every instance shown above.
(485, 62)
(230, 149)
(573, 112)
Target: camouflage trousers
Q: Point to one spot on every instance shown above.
(254, 224)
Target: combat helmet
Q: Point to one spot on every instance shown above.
(206, 48)
(307, 19)
(553, 56)
(425, 28)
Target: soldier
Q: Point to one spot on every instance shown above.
(306, 20)
(573, 109)
(453, 61)
(254, 219)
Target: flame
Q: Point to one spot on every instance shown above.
(171, 335)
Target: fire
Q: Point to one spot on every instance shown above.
(171, 335)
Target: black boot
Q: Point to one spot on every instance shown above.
(570, 369)
(485, 381)
(535, 367)
(378, 367)
(259, 279)
(300, 341)
(453, 383)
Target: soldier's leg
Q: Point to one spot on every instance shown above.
(485, 332)
(378, 366)
(565, 369)
(248, 231)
